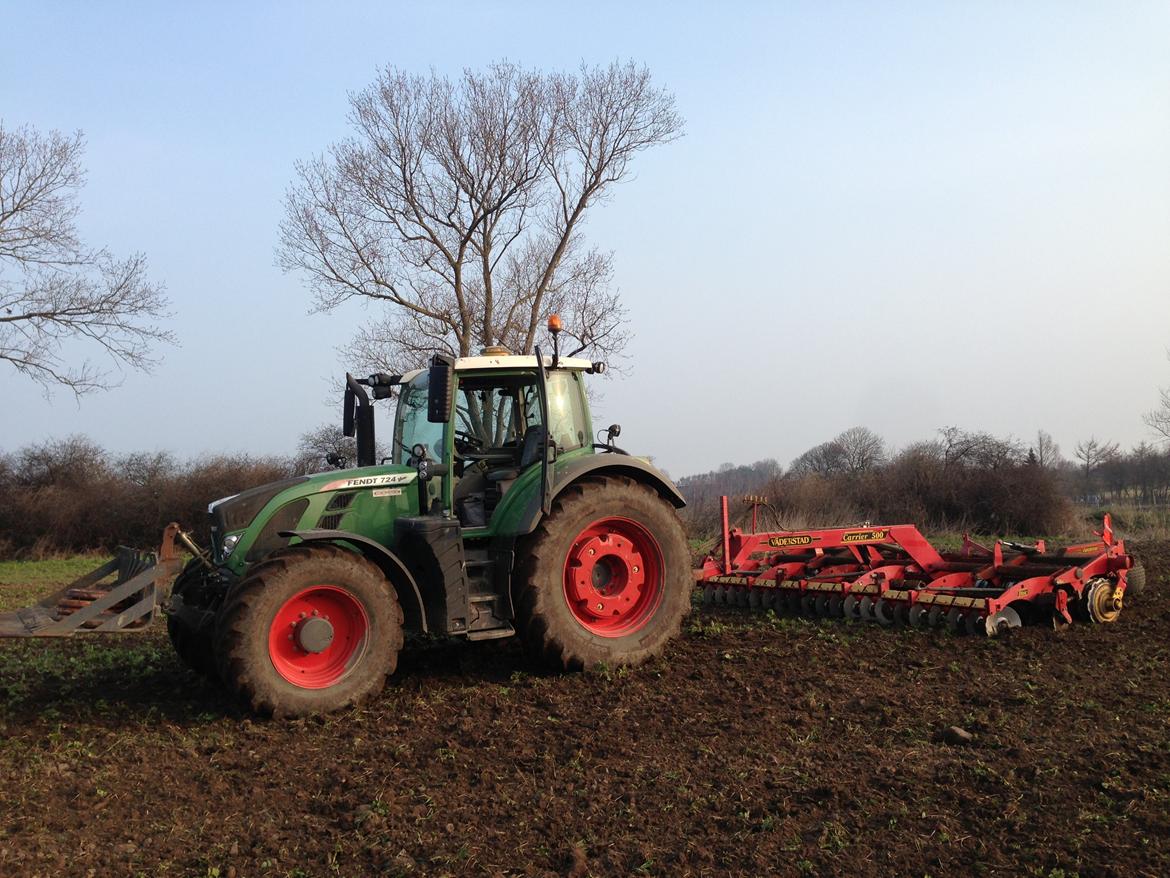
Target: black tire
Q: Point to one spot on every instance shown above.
(248, 665)
(193, 647)
(1135, 580)
(551, 628)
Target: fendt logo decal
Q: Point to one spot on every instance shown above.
(801, 540)
(372, 481)
(864, 536)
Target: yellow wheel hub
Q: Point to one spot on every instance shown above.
(1102, 601)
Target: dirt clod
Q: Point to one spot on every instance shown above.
(956, 735)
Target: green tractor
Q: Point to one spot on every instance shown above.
(495, 514)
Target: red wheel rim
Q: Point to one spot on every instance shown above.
(613, 577)
(317, 636)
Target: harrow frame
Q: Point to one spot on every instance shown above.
(892, 574)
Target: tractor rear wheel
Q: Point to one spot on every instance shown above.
(193, 647)
(310, 630)
(605, 577)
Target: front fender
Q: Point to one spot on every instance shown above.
(390, 564)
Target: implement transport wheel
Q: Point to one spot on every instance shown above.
(309, 630)
(1135, 580)
(1102, 601)
(604, 578)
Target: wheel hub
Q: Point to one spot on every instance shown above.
(613, 577)
(314, 634)
(1104, 602)
(317, 635)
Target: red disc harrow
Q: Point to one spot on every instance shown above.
(891, 574)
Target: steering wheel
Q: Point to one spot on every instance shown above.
(465, 442)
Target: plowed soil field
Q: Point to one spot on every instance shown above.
(755, 746)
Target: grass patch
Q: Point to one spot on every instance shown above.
(26, 582)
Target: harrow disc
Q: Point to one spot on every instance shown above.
(849, 607)
(865, 609)
(806, 604)
(999, 624)
(955, 622)
(934, 618)
(821, 606)
(976, 623)
(708, 595)
(883, 612)
(739, 597)
(768, 599)
(918, 616)
(754, 598)
(837, 606)
(901, 615)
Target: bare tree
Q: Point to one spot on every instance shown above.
(1092, 454)
(826, 459)
(459, 206)
(1045, 452)
(861, 448)
(1159, 419)
(325, 443)
(53, 289)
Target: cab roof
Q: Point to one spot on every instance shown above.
(508, 361)
(516, 361)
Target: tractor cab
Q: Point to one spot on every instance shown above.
(501, 424)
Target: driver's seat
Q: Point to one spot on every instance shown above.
(529, 454)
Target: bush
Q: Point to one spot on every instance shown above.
(70, 495)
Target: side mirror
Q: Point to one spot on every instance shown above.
(440, 389)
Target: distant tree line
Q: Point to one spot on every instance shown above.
(960, 480)
(67, 495)
(71, 495)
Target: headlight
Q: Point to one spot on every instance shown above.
(229, 543)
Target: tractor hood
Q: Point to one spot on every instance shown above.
(248, 525)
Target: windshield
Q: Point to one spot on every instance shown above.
(411, 426)
(492, 411)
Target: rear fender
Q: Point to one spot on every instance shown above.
(390, 564)
(602, 465)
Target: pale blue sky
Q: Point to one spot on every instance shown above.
(904, 215)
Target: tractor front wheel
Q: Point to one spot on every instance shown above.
(310, 630)
(192, 646)
(605, 577)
